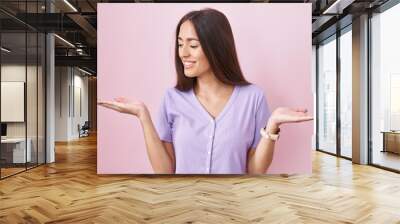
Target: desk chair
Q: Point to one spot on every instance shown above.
(84, 130)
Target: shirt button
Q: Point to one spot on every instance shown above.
(209, 152)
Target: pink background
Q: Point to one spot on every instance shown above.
(136, 60)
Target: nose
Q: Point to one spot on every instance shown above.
(185, 51)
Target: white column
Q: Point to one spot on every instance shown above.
(50, 92)
(360, 90)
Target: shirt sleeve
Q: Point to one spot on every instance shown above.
(163, 123)
(262, 116)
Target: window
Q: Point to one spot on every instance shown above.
(327, 95)
(346, 92)
(385, 88)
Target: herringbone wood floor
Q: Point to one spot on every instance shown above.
(70, 191)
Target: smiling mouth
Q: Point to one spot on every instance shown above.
(188, 64)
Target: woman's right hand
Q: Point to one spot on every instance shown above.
(123, 105)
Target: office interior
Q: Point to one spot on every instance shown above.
(48, 82)
(49, 74)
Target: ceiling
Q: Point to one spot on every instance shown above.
(76, 22)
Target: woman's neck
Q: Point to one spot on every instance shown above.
(208, 85)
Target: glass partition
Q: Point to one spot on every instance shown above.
(41, 91)
(13, 95)
(22, 77)
(31, 100)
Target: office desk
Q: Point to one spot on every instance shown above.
(391, 141)
(15, 148)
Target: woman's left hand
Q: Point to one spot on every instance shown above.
(282, 115)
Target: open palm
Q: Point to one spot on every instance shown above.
(283, 115)
(123, 105)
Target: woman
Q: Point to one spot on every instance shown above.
(213, 120)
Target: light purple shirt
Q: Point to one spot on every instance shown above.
(206, 145)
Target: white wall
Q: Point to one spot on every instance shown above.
(70, 84)
(15, 72)
(62, 81)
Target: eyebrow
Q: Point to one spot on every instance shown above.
(189, 39)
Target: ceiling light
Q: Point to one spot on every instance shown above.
(84, 71)
(70, 5)
(338, 6)
(5, 50)
(64, 40)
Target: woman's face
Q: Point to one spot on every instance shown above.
(194, 61)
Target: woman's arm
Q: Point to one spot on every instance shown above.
(160, 153)
(259, 159)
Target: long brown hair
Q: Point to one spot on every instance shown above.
(216, 39)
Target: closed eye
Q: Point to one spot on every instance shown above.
(192, 46)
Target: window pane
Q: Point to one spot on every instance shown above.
(41, 98)
(386, 88)
(327, 96)
(345, 94)
(31, 100)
